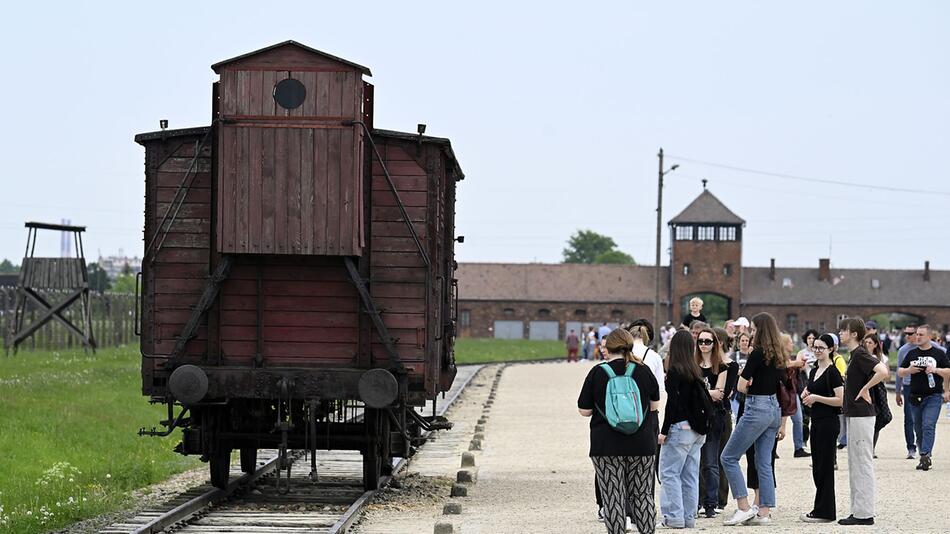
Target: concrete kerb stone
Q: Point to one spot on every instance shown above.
(459, 490)
(479, 436)
(452, 508)
(480, 427)
(475, 445)
(466, 476)
(468, 459)
(444, 528)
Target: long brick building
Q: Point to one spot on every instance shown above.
(544, 301)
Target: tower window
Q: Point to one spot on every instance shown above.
(707, 233)
(787, 282)
(544, 312)
(509, 312)
(685, 269)
(684, 233)
(727, 233)
(727, 269)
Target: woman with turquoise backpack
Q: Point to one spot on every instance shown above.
(621, 396)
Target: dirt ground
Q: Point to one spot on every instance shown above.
(534, 475)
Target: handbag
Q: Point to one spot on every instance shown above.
(787, 389)
(879, 398)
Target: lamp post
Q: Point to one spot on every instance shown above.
(659, 228)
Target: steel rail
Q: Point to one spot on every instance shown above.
(353, 512)
(187, 509)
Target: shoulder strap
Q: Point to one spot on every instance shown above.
(630, 367)
(609, 370)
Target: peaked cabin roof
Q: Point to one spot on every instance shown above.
(706, 208)
(558, 282)
(217, 66)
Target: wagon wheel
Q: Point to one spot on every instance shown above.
(220, 467)
(372, 461)
(248, 459)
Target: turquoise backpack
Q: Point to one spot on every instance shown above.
(624, 411)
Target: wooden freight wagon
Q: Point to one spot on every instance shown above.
(297, 287)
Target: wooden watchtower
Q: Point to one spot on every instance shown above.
(51, 286)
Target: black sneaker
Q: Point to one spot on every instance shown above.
(802, 453)
(841, 446)
(925, 462)
(710, 512)
(851, 520)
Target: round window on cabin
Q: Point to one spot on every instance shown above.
(290, 93)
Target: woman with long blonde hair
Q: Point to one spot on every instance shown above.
(760, 423)
(624, 463)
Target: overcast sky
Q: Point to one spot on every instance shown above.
(555, 110)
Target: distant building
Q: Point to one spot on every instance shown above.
(113, 265)
(545, 301)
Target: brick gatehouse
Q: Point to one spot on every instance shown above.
(544, 301)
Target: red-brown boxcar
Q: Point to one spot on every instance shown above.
(298, 286)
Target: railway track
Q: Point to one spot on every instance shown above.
(251, 503)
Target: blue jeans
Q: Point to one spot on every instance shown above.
(925, 421)
(911, 434)
(758, 425)
(679, 475)
(798, 431)
(843, 433)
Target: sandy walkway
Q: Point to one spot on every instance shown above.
(535, 476)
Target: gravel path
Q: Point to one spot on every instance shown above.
(534, 475)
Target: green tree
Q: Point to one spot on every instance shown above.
(124, 283)
(7, 267)
(587, 246)
(98, 278)
(614, 256)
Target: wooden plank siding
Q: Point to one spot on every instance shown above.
(289, 180)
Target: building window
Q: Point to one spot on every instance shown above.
(787, 282)
(465, 317)
(875, 283)
(727, 269)
(792, 322)
(707, 233)
(685, 269)
(580, 313)
(821, 326)
(509, 312)
(616, 314)
(727, 233)
(544, 312)
(807, 325)
(684, 233)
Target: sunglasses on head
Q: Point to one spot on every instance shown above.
(704, 341)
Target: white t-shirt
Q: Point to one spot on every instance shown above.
(653, 361)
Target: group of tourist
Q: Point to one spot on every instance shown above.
(730, 392)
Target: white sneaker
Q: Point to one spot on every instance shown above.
(760, 520)
(739, 517)
(629, 525)
(600, 515)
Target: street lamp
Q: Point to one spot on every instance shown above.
(659, 228)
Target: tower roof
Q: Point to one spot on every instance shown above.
(706, 208)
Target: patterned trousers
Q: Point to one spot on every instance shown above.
(627, 480)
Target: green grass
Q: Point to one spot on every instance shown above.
(68, 443)
(487, 350)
